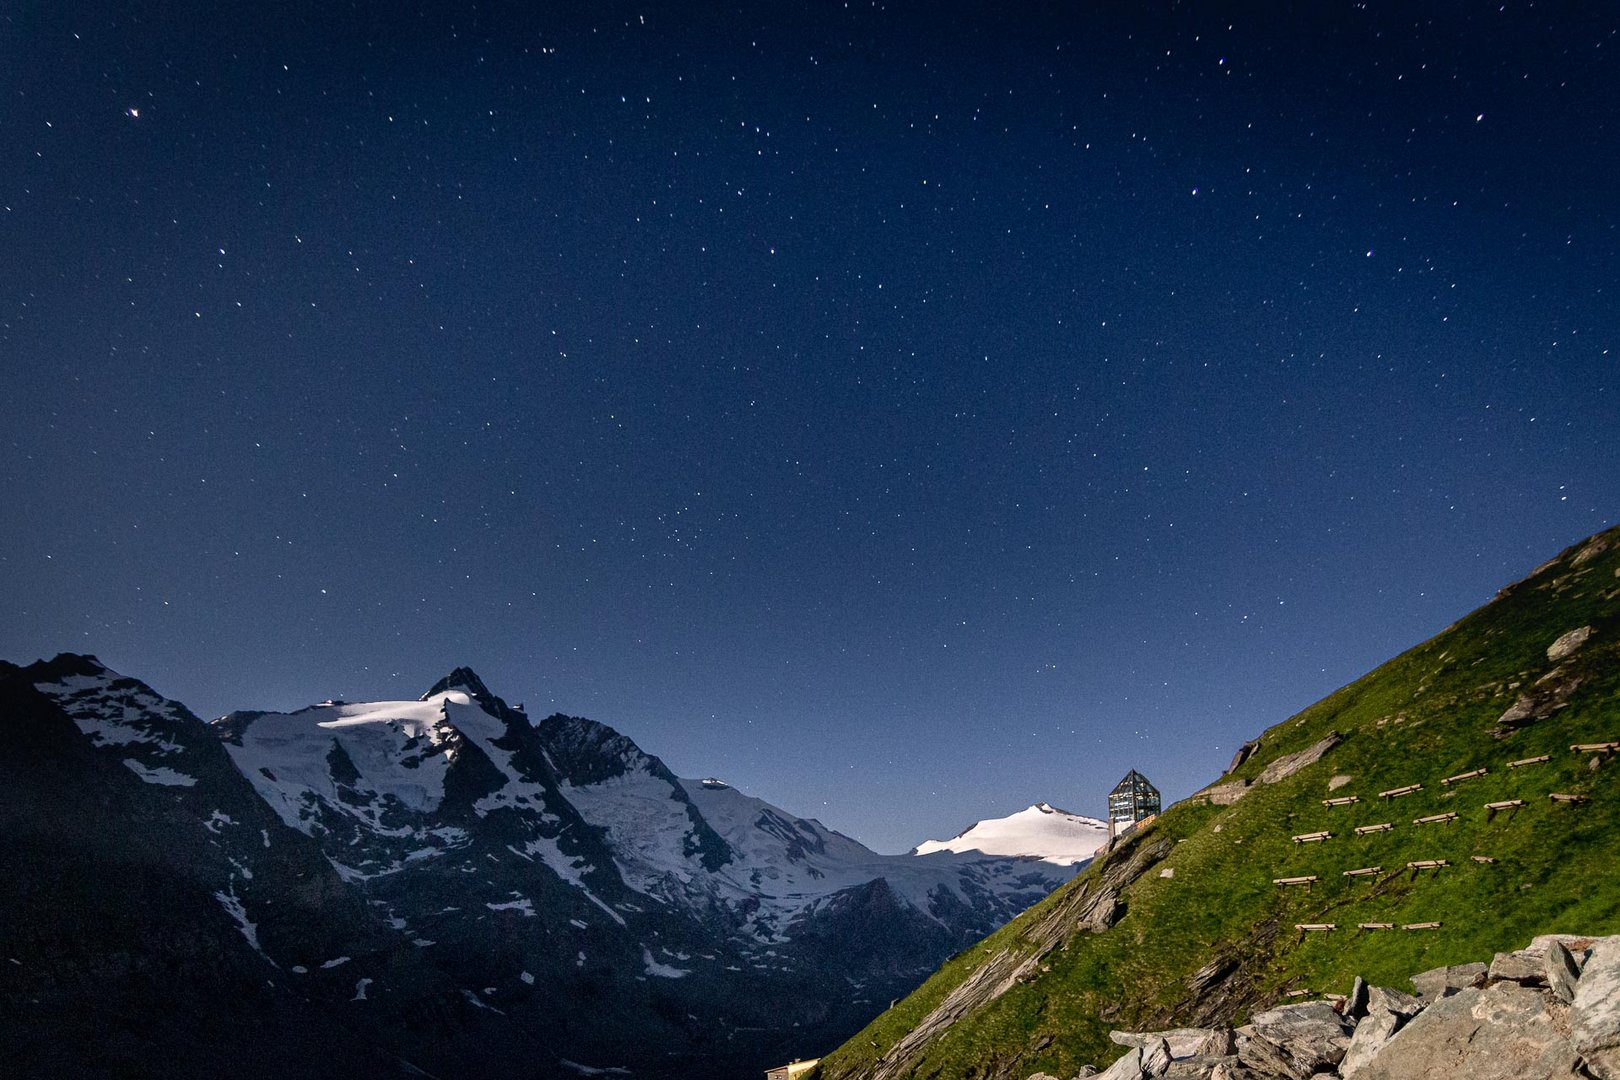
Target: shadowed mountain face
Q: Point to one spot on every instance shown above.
(1459, 801)
(438, 885)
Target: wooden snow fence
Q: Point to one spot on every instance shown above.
(1345, 801)
(1375, 926)
(1305, 881)
(1417, 865)
(1484, 859)
(1312, 837)
(1383, 826)
(1448, 781)
(1529, 761)
(1574, 800)
(1365, 871)
(1596, 747)
(1510, 806)
(1434, 819)
(1397, 792)
(1420, 926)
(1308, 927)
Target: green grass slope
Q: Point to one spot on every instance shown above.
(1207, 937)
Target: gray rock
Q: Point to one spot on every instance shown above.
(1520, 967)
(1128, 1067)
(1211, 974)
(1594, 1018)
(1561, 972)
(1155, 1058)
(1504, 1032)
(1289, 764)
(1228, 1071)
(1242, 754)
(1312, 1034)
(1183, 1042)
(1402, 1005)
(1219, 1043)
(1228, 793)
(1260, 1054)
(1568, 643)
(1200, 1068)
(1085, 1071)
(1579, 946)
(1041, 1076)
(1443, 982)
(1376, 1029)
(1356, 1004)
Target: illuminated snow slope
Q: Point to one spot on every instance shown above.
(1040, 831)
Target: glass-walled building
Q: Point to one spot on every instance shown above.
(1133, 799)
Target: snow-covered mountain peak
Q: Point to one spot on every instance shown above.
(149, 734)
(462, 678)
(1041, 831)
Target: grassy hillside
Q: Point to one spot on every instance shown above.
(1206, 936)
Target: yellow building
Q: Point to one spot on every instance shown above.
(791, 1072)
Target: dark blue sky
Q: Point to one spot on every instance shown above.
(904, 412)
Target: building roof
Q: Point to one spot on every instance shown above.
(1133, 782)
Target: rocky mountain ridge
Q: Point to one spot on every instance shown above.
(457, 881)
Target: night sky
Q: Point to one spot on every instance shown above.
(904, 412)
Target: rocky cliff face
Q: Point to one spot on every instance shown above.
(439, 884)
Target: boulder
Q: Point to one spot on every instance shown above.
(1128, 1067)
(1594, 1017)
(1041, 1076)
(1437, 983)
(1155, 1058)
(1201, 1067)
(1521, 967)
(1579, 945)
(1504, 1032)
(1226, 1070)
(1402, 1005)
(1561, 972)
(1356, 1004)
(1376, 1029)
(1568, 643)
(1183, 1042)
(1312, 1034)
(1219, 1043)
(1551, 693)
(1264, 1057)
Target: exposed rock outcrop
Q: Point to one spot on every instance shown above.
(1289, 764)
(1510, 1020)
(1230, 792)
(1568, 643)
(1594, 1016)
